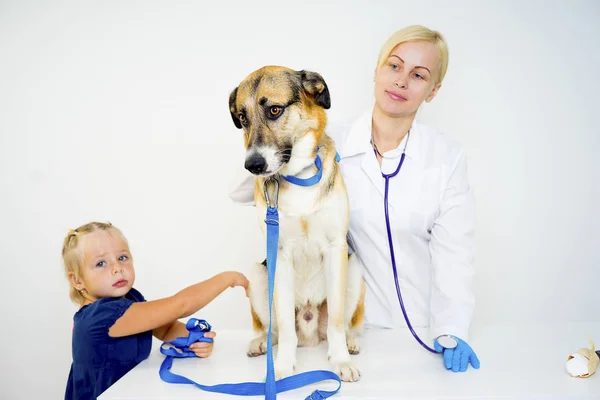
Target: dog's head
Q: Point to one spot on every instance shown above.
(282, 114)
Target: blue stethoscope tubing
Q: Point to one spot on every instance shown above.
(391, 244)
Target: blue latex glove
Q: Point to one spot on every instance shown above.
(458, 358)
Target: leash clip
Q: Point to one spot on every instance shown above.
(265, 189)
(317, 395)
(203, 325)
(194, 324)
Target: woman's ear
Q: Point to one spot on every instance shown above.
(75, 281)
(375, 73)
(433, 92)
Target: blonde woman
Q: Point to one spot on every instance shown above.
(412, 211)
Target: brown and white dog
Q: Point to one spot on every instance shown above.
(319, 290)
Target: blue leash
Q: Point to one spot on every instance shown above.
(179, 348)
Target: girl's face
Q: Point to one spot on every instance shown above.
(107, 269)
(407, 78)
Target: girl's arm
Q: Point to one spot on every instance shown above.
(170, 331)
(150, 315)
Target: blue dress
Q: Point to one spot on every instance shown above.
(98, 359)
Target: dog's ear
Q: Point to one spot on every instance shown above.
(315, 86)
(233, 108)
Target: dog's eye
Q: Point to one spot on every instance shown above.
(242, 119)
(275, 111)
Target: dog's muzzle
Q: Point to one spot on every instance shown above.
(266, 160)
(256, 164)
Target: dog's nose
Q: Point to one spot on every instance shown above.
(256, 164)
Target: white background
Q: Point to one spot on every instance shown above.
(117, 111)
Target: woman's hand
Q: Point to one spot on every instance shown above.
(458, 358)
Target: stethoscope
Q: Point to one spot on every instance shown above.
(446, 341)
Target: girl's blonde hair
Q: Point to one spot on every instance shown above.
(72, 254)
(415, 33)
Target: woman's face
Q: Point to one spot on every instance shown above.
(407, 78)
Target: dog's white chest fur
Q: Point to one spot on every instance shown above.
(306, 231)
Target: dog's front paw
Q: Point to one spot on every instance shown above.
(283, 370)
(257, 347)
(353, 345)
(347, 372)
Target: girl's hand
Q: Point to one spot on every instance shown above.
(204, 349)
(238, 279)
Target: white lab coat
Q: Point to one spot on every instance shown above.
(432, 216)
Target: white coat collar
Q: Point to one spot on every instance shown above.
(358, 141)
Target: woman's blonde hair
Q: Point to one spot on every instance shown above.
(416, 33)
(73, 256)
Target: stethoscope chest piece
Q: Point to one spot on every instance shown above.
(447, 341)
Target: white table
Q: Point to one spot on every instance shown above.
(517, 362)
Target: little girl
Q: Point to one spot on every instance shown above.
(113, 329)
